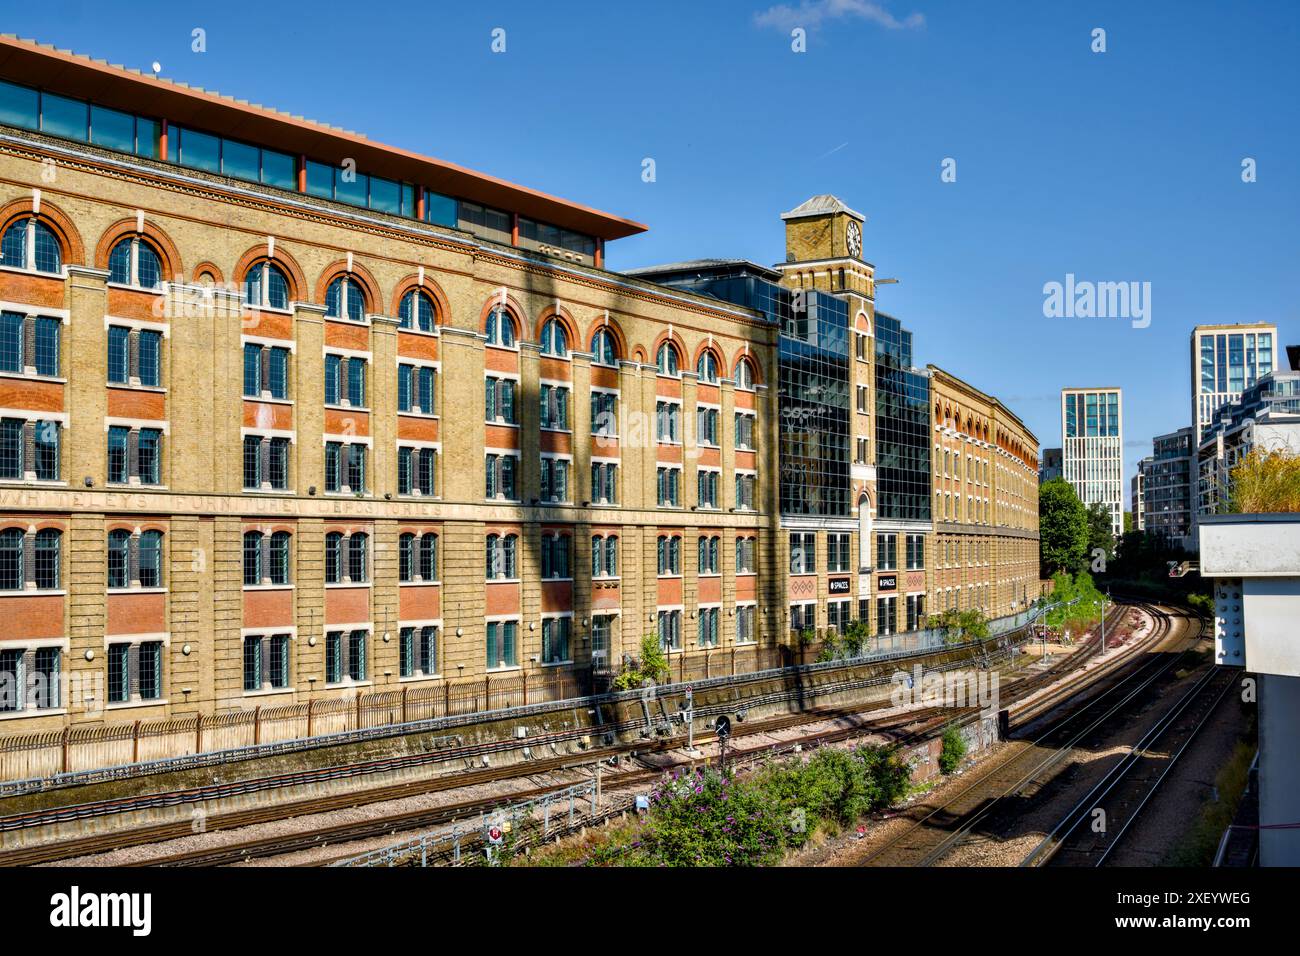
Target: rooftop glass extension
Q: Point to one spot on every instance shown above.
(26, 107)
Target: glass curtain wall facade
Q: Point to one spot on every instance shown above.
(815, 431)
(902, 426)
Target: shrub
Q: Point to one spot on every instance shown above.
(651, 666)
(701, 818)
(953, 750)
(830, 647)
(1265, 482)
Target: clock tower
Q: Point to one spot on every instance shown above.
(823, 248)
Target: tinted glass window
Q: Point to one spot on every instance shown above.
(112, 129)
(239, 160)
(18, 106)
(278, 169)
(63, 117)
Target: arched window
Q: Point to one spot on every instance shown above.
(501, 328)
(119, 574)
(252, 557)
(417, 311)
(344, 298)
(134, 262)
(429, 557)
(555, 341)
(266, 286)
(333, 557)
(357, 557)
(707, 367)
(667, 359)
(31, 244)
(151, 559)
(604, 350)
(11, 559)
(280, 557)
(406, 558)
(745, 374)
(49, 542)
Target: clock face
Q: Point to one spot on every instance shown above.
(854, 237)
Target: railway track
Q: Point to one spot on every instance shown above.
(904, 729)
(1130, 785)
(939, 827)
(270, 846)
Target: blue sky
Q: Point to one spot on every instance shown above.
(1115, 166)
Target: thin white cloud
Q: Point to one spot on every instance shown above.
(813, 13)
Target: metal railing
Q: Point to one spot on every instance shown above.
(113, 751)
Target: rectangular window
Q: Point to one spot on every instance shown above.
(837, 552)
(11, 342)
(334, 657)
(554, 407)
(886, 552)
(604, 482)
(333, 372)
(47, 345)
(277, 372)
(253, 370)
(669, 487)
(915, 552)
(119, 355)
(745, 492)
(803, 553)
(117, 456)
(356, 383)
(277, 463)
(119, 673)
(555, 640)
(604, 413)
(252, 663)
(886, 612)
(501, 644)
(45, 449)
(915, 611)
(333, 464)
(745, 431)
(149, 359)
(252, 462)
(147, 456)
(554, 479)
(357, 656)
(670, 630)
(150, 676)
(356, 468)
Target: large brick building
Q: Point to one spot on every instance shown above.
(242, 463)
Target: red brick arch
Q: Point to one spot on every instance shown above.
(71, 248)
(614, 329)
(565, 319)
(504, 300)
(207, 267)
(282, 258)
(156, 238)
(713, 350)
(441, 304)
(677, 343)
(754, 364)
(369, 285)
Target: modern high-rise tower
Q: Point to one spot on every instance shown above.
(1092, 439)
(1227, 360)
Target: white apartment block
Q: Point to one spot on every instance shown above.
(1092, 441)
(1227, 360)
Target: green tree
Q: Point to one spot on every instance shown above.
(1062, 528)
(1101, 536)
